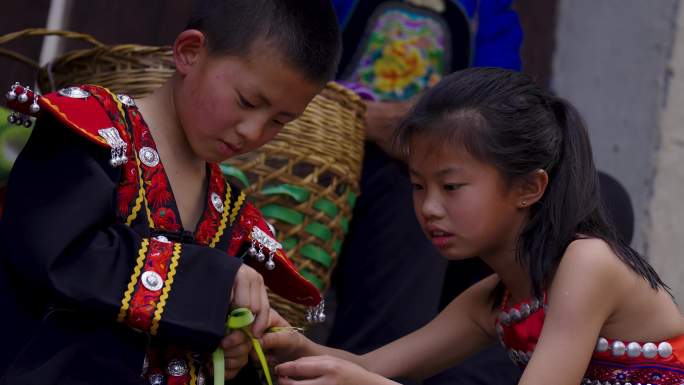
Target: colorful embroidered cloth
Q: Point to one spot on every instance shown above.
(614, 362)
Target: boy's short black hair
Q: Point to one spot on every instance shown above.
(306, 32)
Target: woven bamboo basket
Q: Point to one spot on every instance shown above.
(130, 68)
(305, 181)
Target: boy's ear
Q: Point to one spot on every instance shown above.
(531, 188)
(188, 48)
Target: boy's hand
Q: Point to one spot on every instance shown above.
(236, 348)
(249, 291)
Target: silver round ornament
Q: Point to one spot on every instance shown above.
(217, 202)
(149, 157)
(152, 281)
(156, 379)
(74, 92)
(177, 367)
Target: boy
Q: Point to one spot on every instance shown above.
(121, 266)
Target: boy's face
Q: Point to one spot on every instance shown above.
(463, 205)
(230, 105)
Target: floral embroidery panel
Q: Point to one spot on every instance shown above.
(404, 53)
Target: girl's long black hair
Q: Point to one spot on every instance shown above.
(503, 118)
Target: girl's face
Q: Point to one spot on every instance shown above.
(463, 205)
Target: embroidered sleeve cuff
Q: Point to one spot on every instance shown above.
(180, 293)
(145, 298)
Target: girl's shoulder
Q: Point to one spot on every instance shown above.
(590, 270)
(591, 256)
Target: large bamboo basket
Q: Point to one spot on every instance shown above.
(305, 181)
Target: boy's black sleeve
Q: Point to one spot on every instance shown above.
(59, 235)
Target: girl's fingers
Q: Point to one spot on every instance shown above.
(290, 381)
(304, 368)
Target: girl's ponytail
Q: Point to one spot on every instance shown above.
(572, 207)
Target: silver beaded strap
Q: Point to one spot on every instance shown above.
(112, 137)
(634, 349)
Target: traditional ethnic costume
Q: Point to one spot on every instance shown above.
(103, 282)
(613, 362)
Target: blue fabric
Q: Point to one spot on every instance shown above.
(343, 9)
(499, 35)
(497, 40)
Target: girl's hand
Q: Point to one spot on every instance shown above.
(236, 348)
(285, 345)
(326, 370)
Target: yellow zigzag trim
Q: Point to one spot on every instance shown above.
(141, 197)
(167, 289)
(125, 302)
(237, 206)
(224, 218)
(119, 105)
(192, 369)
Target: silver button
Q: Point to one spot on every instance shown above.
(126, 100)
(633, 349)
(515, 315)
(664, 349)
(601, 345)
(149, 157)
(619, 348)
(152, 281)
(650, 350)
(74, 92)
(161, 238)
(177, 367)
(156, 379)
(217, 202)
(505, 318)
(525, 310)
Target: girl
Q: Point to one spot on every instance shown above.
(503, 171)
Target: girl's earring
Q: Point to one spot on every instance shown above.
(523, 203)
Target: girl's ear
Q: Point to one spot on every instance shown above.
(188, 49)
(531, 188)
